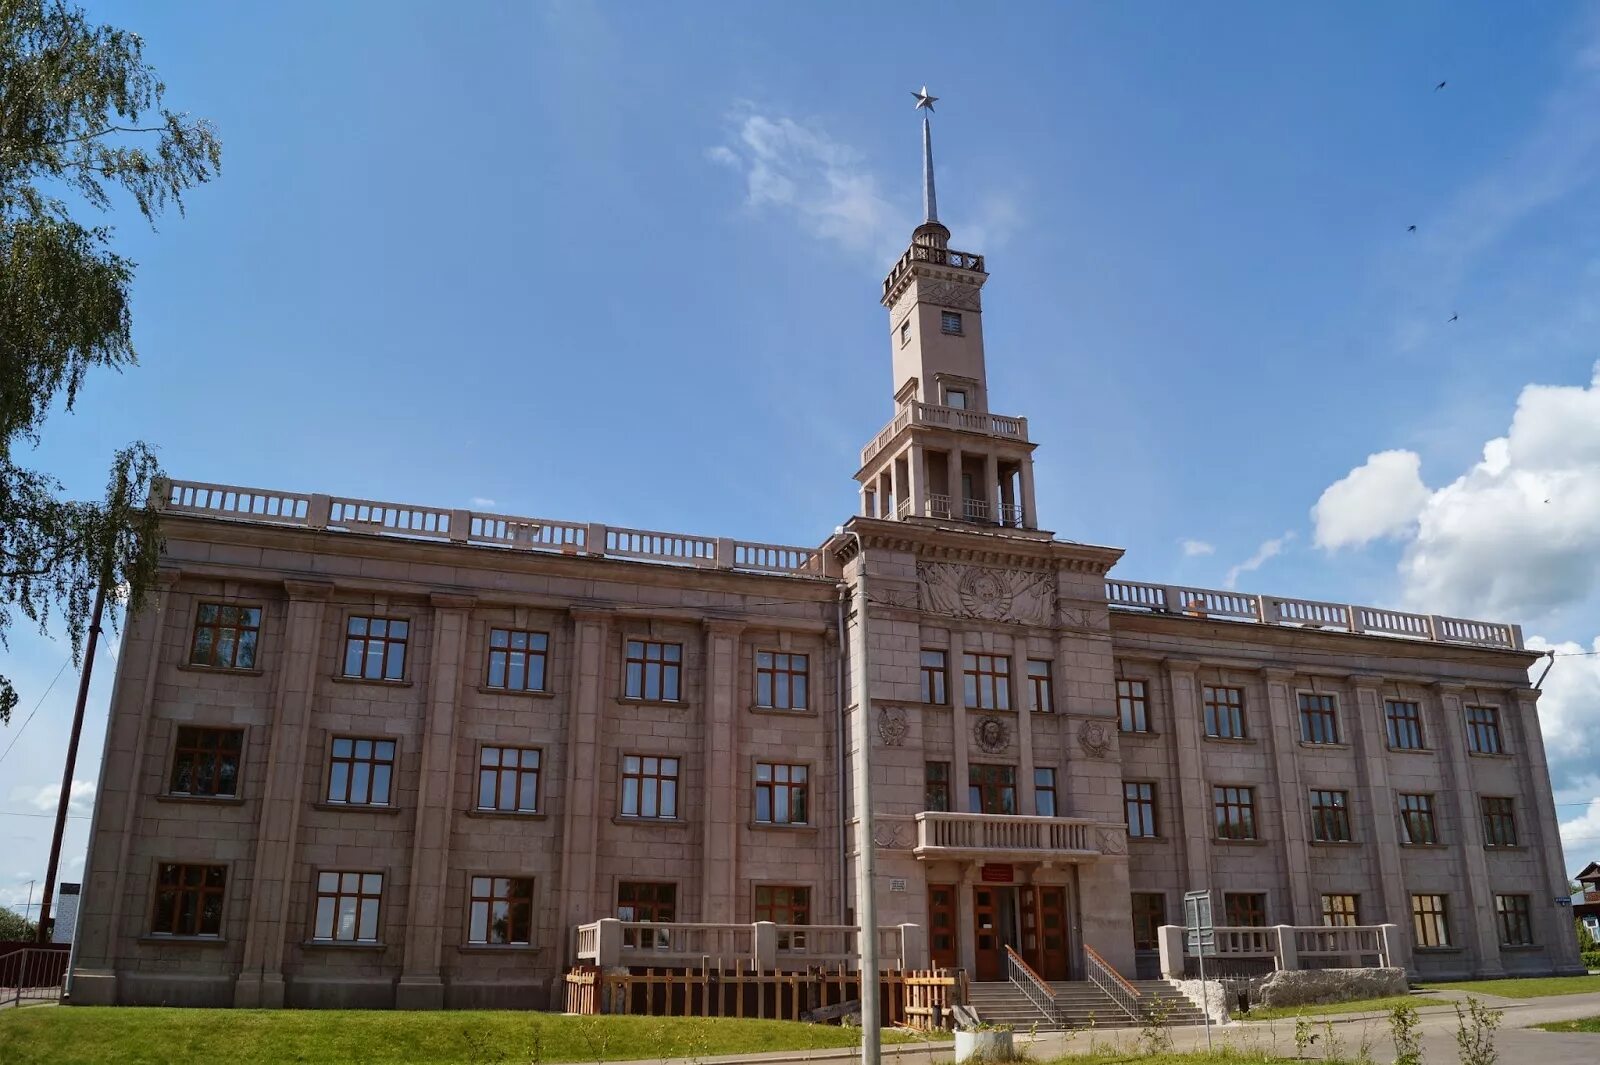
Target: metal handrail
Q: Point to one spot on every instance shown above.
(1032, 985)
(1107, 979)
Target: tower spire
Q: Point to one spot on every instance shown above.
(930, 201)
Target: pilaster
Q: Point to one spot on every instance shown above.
(956, 689)
(1553, 924)
(1022, 700)
(580, 821)
(1474, 916)
(719, 856)
(1194, 805)
(1283, 736)
(1369, 727)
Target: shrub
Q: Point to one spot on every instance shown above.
(1591, 958)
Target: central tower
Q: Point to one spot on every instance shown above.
(944, 456)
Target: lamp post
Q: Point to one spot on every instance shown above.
(866, 893)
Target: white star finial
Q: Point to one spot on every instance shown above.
(923, 99)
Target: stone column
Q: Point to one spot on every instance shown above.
(1552, 923)
(958, 498)
(1194, 809)
(719, 786)
(1472, 903)
(956, 688)
(991, 485)
(580, 820)
(918, 466)
(1021, 701)
(966, 926)
(1030, 519)
(422, 978)
(260, 983)
(1283, 738)
(1369, 726)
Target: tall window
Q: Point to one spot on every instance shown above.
(1319, 718)
(1044, 792)
(905, 330)
(992, 789)
(1149, 914)
(205, 761)
(936, 786)
(649, 786)
(1430, 921)
(517, 660)
(1416, 820)
(188, 900)
(1483, 730)
(1040, 690)
(1340, 910)
(950, 323)
(1330, 817)
(361, 771)
(225, 636)
(780, 794)
(1235, 810)
(375, 648)
(987, 681)
(508, 779)
(1405, 724)
(1499, 822)
(347, 907)
(1224, 708)
(645, 901)
(1133, 714)
(500, 911)
(935, 675)
(781, 680)
(652, 671)
(1516, 925)
(784, 904)
(955, 397)
(1247, 910)
(1139, 800)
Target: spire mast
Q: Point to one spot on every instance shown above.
(930, 201)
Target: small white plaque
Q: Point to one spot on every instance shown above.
(897, 883)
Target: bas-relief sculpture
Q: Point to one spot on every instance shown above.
(1022, 596)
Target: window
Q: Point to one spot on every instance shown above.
(188, 900)
(1319, 718)
(1330, 817)
(205, 762)
(643, 901)
(936, 786)
(992, 789)
(375, 648)
(905, 330)
(1416, 820)
(1405, 724)
(1483, 730)
(1139, 799)
(1340, 910)
(361, 771)
(347, 907)
(1224, 712)
(935, 672)
(1039, 686)
(1133, 713)
(653, 670)
(1516, 926)
(1149, 914)
(501, 911)
(508, 779)
(950, 323)
(784, 905)
(781, 680)
(780, 794)
(1044, 792)
(649, 786)
(1235, 812)
(225, 636)
(517, 660)
(1245, 910)
(1429, 920)
(1499, 823)
(987, 681)
(955, 397)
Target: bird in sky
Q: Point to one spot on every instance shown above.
(1411, 229)
(1453, 317)
(1439, 86)
(923, 99)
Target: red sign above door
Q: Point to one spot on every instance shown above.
(996, 874)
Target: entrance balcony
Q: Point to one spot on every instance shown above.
(1007, 837)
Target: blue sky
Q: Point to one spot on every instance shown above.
(621, 264)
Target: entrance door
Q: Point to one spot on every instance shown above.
(994, 922)
(1051, 911)
(942, 926)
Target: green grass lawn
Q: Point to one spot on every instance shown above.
(135, 1036)
(1525, 987)
(1222, 1056)
(1365, 1005)
(1588, 1024)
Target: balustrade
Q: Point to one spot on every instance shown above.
(764, 945)
(998, 835)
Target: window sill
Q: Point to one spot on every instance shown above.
(1333, 842)
(515, 815)
(356, 807)
(1148, 839)
(1502, 756)
(1139, 734)
(1520, 948)
(778, 711)
(232, 671)
(1234, 740)
(1496, 848)
(650, 822)
(184, 941)
(1425, 846)
(989, 710)
(1437, 950)
(342, 944)
(497, 948)
(340, 678)
(769, 826)
(517, 693)
(201, 800)
(1325, 746)
(1238, 842)
(674, 704)
(1411, 750)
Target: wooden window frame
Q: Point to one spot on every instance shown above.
(1430, 921)
(640, 940)
(1139, 797)
(517, 769)
(1133, 704)
(390, 645)
(183, 754)
(782, 780)
(1484, 733)
(1041, 685)
(1499, 814)
(506, 653)
(659, 659)
(1249, 904)
(1319, 717)
(935, 678)
(1514, 913)
(372, 761)
(781, 676)
(641, 775)
(985, 675)
(171, 891)
(493, 898)
(1045, 785)
(1154, 916)
(1409, 811)
(1407, 725)
(776, 912)
(338, 893)
(217, 626)
(1216, 710)
(1228, 800)
(1330, 816)
(989, 778)
(934, 784)
(1338, 914)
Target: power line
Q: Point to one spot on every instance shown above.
(36, 706)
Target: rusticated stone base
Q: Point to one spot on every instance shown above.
(1310, 987)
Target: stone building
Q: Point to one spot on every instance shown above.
(365, 753)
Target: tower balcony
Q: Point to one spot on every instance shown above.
(999, 426)
(963, 262)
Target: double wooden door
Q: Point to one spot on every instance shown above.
(1029, 918)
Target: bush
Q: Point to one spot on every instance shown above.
(1591, 958)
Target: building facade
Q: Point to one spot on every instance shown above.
(364, 753)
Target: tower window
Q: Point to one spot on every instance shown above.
(950, 323)
(955, 397)
(905, 330)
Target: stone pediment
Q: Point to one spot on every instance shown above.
(960, 590)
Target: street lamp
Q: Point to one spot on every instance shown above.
(866, 894)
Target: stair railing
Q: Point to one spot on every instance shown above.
(1032, 985)
(1107, 979)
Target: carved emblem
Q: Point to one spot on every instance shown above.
(992, 594)
(1095, 738)
(984, 594)
(892, 726)
(890, 835)
(991, 735)
(1113, 841)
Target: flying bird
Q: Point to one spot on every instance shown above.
(1453, 317)
(1439, 86)
(1411, 229)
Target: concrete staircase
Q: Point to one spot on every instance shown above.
(1079, 1003)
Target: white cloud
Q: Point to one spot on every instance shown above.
(1195, 548)
(44, 799)
(481, 503)
(1269, 550)
(1380, 498)
(1581, 836)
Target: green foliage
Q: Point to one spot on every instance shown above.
(1523, 986)
(1475, 1029)
(1407, 1032)
(81, 116)
(15, 928)
(1586, 941)
(1591, 958)
(1586, 1024)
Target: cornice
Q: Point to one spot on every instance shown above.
(308, 590)
(451, 601)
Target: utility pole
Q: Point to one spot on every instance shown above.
(43, 935)
(866, 864)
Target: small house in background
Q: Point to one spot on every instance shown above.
(1586, 902)
(65, 920)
